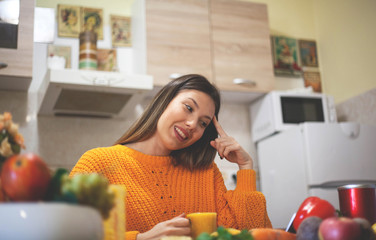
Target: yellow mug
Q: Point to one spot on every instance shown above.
(202, 222)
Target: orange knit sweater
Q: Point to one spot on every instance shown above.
(158, 191)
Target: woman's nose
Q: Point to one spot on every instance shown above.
(191, 123)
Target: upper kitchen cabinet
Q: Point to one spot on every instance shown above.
(177, 39)
(17, 59)
(242, 56)
(226, 41)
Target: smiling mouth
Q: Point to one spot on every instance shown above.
(180, 133)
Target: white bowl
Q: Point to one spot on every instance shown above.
(50, 221)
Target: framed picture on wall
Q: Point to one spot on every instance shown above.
(285, 57)
(69, 21)
(92, 20)
(312, 79)
(308, 53)
(106, 60)
(121, 31)
(61, 51)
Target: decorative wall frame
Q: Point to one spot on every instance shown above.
(69, 21)
(312, 79)
(285, 56)
(308, 53)
(121, 31)
(106, 60)
(61, 51)
(92, 20)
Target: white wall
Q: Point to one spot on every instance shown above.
(346, 39)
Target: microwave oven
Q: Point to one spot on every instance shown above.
(278, 111)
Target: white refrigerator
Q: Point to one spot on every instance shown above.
(313, 159)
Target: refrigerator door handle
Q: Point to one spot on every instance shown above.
(350, 129)
(336, 184)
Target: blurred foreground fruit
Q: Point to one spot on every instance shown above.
(226, 234)
(232, 231)
(114, 226)
(2, 195)
(11, 141)
(309, 229)
(314, 206)
(366, 229)
(90, 189)
(271, 234)
(339, 228)
(25, 177)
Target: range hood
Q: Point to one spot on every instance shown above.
(92, 93)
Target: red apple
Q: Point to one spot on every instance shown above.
(339, 228)
(25, 177)
(2, 195)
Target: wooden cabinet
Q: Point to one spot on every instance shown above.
(241, 46)
(18, 74)
(220, 39)
(177, 38)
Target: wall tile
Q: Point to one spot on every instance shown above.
(361, 108)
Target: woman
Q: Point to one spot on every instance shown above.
(166, 162)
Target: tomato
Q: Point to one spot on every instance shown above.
(25, 177)
(314, 206)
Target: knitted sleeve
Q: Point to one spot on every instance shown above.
(131, 235)
(244, 207)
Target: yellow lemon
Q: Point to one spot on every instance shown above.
(232, 231)
(374, 227)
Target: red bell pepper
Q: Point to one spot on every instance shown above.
(314, 206)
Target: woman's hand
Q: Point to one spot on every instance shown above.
(230, 149)
(178, 226)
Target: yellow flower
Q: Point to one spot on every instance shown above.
(5, 148)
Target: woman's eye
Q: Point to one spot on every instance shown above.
(189, 107)
(204, 124)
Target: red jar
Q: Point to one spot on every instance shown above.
(358, 200)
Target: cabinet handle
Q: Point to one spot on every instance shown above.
(175, 75)
(3, 65)
(242, 81)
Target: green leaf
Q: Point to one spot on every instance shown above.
(54, 187)
(339, 213)
(16, 148)
(67, 197)
(243, 235)
(223, 234)
(205, 236)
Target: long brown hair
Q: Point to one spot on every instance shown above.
(200, 154)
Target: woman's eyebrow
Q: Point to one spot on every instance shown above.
(195, 103)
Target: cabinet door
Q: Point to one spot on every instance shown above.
(241, 45)
(178, 38)
(17, 75)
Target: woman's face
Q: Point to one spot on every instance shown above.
(91, 22)
(184, 120)
(72, 19)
